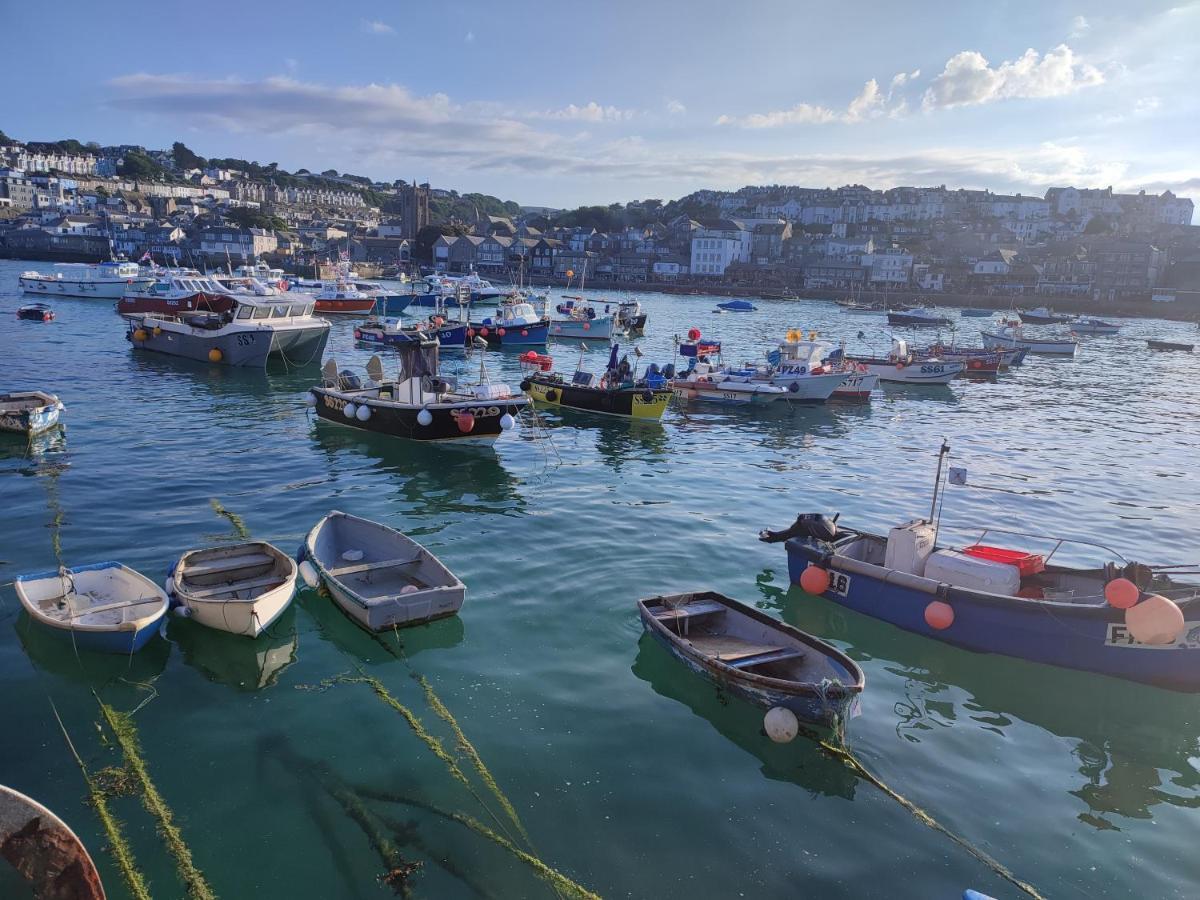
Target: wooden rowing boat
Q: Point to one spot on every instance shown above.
(240, 588)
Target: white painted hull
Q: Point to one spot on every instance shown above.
(1002, 341)
(917, 373)
(249, 617)
(809, 388)
(598, 329)
(91, 290)
(726, 393)
(856, 387)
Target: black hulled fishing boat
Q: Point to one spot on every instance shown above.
(420, 403)
(618, 392)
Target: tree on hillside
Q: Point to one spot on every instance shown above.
(185, 158)
(1097, 225)
(330, 173)
(427, 237)
(139, 166)
(245, 217)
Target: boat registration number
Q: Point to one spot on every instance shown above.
(932, 370)
(839, 583)
(1118, 636)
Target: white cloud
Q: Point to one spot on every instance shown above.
(869, 103)
(589, 112)
(470, 38)
(1080, 26)
(675, 108)
(377, 27)
(968, 79)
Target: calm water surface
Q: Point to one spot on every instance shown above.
(631, 776)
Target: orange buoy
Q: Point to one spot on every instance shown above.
(215, 355)
(814, 580)
(1121, 593)
(140, 334)
(466, 422)
(939, 615)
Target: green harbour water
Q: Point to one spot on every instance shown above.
(631, 776)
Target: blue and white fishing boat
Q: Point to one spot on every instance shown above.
(106, 607)
(29, 412)
(736, 306)
(515, 324)
(755, 656)
(582, 322)
(394, 331)
(1013, 602)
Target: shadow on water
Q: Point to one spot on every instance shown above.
(1132, 745)
(32, 451)
(619, 441)
(55, 655)
(234, 659)
(436, 476)
(221, 382)
(799, 762)
(350, 637)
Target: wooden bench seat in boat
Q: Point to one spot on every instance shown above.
(740, 653)
(343, 571)
(230, 587)
(226, 564)
(689, 611)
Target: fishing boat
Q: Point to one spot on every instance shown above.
(631, 318)
(29, 412)
(1169, 345)
(972, 313)
(341, 298)
(917, 318)
(865, 309)
(582, 322)
(254, 330)
(1005, 359)
(394, 331)
(736, 306)
(239, 588)
(618, 392)
(177, 293)
(419, 403)
(1042, 316)
(515, 324)
(472, 289)
(380, 577)
(105, 606)
(1114, 617)
(815, 371)
(902, 366)
(1012, 336)
(102, 281)
(755, 656)
(35, 312)
(712, 384)
(1089, 325)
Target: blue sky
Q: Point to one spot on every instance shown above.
(561, 104)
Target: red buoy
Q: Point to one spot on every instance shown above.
(466, 422)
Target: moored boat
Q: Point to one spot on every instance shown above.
(1169, 345)
(239, 588)
(29, 412)
(102, 281)
(1042, 316)
(631, 318)
(755, 656)
(419, 403)
(393, 331)
(255, 330)
(106, 607)
(618, 392)
(515, 324)
(737, 306)
(972, 313)
(379, 576)
(815, 371)
(709, 383)
(1090, 325)
(177, 293)
(901, 366)
(917, 318)
(1013, 602)
(865, 309)
(582, 322)
(35, 312)
(1012, 336)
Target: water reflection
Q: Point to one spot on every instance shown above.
(234, 659)
(799, 762)
(220, 382)
(350, 637)
(33, 452)
(1133, 745)
(437, 477)
(57, 656)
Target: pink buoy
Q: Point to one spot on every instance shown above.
(1156, 620)
(1121, 593)
(939, 615)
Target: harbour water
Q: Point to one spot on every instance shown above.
(630, 776)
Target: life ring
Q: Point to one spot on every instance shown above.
(976, 364)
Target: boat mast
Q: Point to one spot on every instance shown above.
(937, 484)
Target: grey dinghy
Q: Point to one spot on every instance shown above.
(754, 655)
(380, 576)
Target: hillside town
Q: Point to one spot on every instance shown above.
(72, 202)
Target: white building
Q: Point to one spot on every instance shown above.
(716, 246)
(889, 266)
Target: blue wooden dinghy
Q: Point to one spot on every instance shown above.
(1027, 607)
(755, 656)
(29, 412)
(105, 607)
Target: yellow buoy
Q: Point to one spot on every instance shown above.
(215, 355)
(157, 331)
(140, 334)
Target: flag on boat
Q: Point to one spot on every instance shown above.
(958, 475)
(146, 257)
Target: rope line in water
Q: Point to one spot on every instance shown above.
(852, 762)
(239, 526)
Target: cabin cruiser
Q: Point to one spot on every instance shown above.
(808, 368)
(903, 366)
(582, 321)
(261, 272)
(631, 318)
(179, 293)
(105, 281)
(515, 324)
(255, 328)
(1043, 315)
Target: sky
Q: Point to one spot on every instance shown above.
(562, 104)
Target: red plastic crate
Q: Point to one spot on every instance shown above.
(1026, 563)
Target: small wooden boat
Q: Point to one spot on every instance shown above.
(917, 318)
(29, 412)
(105, 607)
(755, 656)
(379, 576)
(35, 312)
(1089, 325)
(1169, 345)
(1012, 337)
(239, 588)
(44, 851)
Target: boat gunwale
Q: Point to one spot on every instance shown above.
(135, 625)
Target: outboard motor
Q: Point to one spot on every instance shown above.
(668, 371)
(349, 381)
(817, 526)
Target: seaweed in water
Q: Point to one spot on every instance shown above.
(239, 527)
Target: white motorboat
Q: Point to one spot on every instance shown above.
(1090, 325)
(901, 366)
(714, 385)
(1012, 336)
(798, 359)
(240, 588)
(582, 322)
(102, 281)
